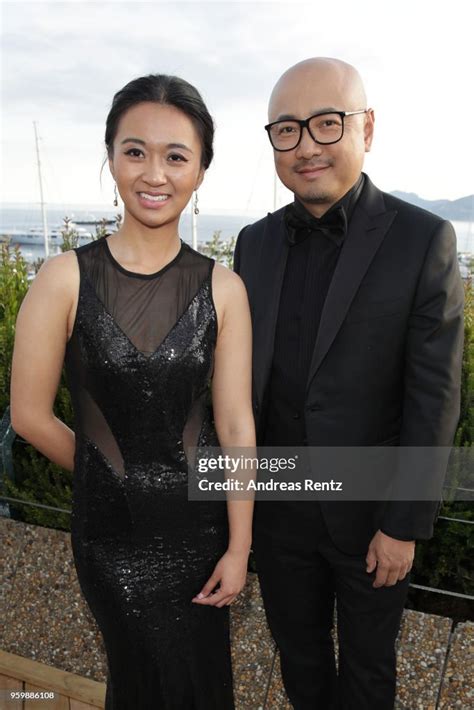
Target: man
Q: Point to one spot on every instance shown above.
(357, 307)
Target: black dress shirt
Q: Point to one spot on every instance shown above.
(314, 250)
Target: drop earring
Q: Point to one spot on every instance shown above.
(195, 203)
(116, 196)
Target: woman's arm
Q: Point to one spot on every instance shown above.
(42, 327)
(233, 416)
(232, 388)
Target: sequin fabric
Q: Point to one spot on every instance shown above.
(139, 364)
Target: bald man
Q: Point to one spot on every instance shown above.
(357, 307)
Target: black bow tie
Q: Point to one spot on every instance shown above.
(300, 224)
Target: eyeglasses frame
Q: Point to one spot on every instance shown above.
(304, 123)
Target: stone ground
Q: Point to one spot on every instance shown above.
(47, 620)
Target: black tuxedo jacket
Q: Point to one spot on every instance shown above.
(386, 365)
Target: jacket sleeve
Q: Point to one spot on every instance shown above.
(237, 251)
(432, 380)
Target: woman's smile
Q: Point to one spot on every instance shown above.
(152, 201)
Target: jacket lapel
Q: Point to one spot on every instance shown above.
(273, 256)
(368, 226)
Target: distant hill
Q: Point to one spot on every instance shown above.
(461, 210)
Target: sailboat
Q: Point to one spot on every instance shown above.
(41, 236)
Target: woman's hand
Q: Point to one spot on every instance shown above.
(230, 573)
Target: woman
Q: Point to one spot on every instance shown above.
(143, 322)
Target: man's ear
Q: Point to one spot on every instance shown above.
(200, 178)
(369, 129)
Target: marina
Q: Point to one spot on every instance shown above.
(22, 225)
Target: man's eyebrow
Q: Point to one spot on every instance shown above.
(130, 139)
(292, 117)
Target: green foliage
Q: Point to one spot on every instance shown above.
(221, 251)
(101, 229)
(69, 234)
(38, 480)
(465, 431)
(13, 287)
(445, 561)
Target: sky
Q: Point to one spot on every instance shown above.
(62, 62)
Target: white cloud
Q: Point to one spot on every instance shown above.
(63, 61)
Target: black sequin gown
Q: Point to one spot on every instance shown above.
(138, 365)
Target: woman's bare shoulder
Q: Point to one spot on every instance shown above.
(227, 282)
(64, 261)
(60, 270)
(230, 295)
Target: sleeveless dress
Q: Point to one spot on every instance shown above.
(138, 366)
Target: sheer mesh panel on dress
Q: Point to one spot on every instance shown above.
(145, 306)
(193, 427)
(96, 428)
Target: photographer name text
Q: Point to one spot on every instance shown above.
(232, 484)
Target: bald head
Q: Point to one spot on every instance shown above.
(330, 92)
(323, 76)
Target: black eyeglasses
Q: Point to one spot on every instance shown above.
(324, 128)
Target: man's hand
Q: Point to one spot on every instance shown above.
(393, 559)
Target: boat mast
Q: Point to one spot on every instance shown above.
(43, 204)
